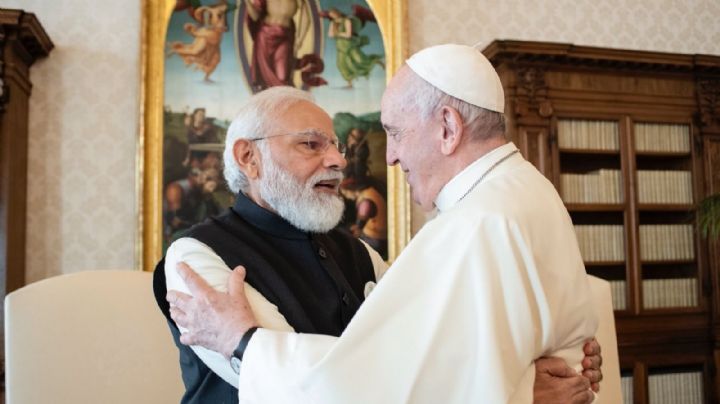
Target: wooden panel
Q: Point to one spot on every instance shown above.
(13, 180)
(533, 143)
(635, 86)
(712, 163)
(711, 148)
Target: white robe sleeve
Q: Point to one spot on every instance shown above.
(206, 263)
(457, 327)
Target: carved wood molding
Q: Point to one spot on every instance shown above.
(29, 40)
(529, 52)
(28, 31)
(532, 94)
(708, 99)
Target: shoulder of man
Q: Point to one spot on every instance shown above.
(197, 231)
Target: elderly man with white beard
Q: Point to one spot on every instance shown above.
(283, 160)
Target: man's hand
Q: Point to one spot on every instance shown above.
(556, 382)
(213, 319)
(591, 364)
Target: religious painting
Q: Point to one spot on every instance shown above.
(217, 53)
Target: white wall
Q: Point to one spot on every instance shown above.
(84, 107)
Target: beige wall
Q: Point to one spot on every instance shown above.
(685, 26)
(84, 108)
(83, 133)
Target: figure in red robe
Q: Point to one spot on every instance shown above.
(273, 31)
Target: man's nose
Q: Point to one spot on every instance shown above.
(390, 155)
(334, 159)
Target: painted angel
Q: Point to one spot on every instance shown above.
(352, 61)
(203, 53)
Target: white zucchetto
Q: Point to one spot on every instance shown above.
(461, 71)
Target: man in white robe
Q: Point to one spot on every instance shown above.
(492, 283)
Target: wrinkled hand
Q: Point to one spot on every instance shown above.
(556, 383)
(214, 320)
(591, 364)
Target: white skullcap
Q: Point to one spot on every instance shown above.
(461, 71)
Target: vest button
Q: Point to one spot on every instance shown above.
(322, 253)
(346, 299)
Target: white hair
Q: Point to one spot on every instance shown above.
(255, 119)
(425, 99)
(296, 201)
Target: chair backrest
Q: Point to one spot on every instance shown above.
(610, 390)
(89, 337)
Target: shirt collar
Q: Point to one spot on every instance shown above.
(266, 221)
(461, 183)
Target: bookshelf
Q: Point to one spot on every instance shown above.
(631, 140)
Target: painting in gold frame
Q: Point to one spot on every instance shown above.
(391, 18)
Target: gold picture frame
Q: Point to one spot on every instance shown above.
(391, 16)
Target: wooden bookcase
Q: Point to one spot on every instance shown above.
(632, 142)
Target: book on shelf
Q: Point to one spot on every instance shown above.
(626, 384)
(618, 291)
(662, 186)
(599, 186)
(668, 293)
(588, 134)
(655, 137)
(600, 243)
(660, 242)
(676, 388)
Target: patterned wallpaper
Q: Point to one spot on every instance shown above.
(660, 25)
(83, 132)
(84, 107)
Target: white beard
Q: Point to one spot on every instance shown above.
(298, 203)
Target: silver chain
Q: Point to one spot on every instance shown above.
(482, 177)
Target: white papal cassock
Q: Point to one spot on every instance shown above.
(493, 282)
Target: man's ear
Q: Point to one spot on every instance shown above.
(247, 157)
(453, 129)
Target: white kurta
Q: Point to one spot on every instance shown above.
(206, 263)
(492, 283)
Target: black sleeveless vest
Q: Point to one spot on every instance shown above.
(317, 281)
